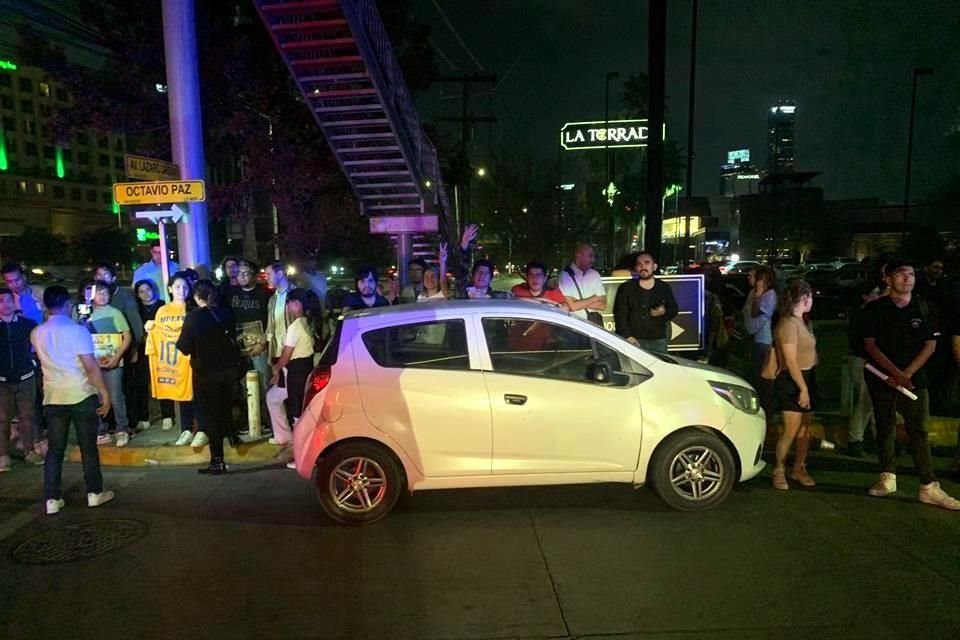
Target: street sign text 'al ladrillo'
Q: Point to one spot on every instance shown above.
(168, 192)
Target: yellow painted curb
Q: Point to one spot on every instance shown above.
(170, 455)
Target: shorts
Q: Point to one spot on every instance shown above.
(786, 391)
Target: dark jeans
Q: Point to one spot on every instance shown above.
(653, 344)
(85, 420)
(136, 387)
(886, 403)
(18, 399)
(213, 393)
(298, 371)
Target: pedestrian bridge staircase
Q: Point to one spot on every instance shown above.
(342, 61)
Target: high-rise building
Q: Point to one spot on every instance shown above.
(62, 186)
(739, 177)
(780, 137)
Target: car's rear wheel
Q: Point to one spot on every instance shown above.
(693, 471)
(358, 483)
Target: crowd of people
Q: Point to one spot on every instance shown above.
(112, 357)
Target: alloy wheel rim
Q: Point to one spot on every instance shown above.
(697, 473)
(358, 485)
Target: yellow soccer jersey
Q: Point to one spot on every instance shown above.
(171, 376)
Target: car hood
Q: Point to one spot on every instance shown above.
(704, 371)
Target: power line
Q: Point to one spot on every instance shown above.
(456, 35)
(443, 55)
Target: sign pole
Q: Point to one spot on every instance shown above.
(165, 265)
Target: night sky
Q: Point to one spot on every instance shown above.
(847, 64)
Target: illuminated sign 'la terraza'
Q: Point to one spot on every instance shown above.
(615, 134)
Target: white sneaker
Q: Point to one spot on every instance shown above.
(167, 424)
(281, 443)
(292, 465)
(933, 494)
(53, 506)
(104, 439)
(143, 425)
(184, 439)
(200, 439)
(123, 438)
(885, 486)
(97, 499)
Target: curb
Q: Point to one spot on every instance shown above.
(169, 455)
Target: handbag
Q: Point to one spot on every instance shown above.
(593, 316)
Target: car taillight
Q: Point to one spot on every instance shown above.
(317, 382)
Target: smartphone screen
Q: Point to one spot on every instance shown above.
(88, 294)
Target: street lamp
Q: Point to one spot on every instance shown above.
(481, 172)
(917, 72)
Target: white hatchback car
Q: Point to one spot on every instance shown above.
(510, 393)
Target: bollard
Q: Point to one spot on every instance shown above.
(253, 403)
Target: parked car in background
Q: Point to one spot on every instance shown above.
(839, 262)
(818, 266)
(743, 266)
(529, 395)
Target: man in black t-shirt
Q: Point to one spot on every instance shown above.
(899, 335)
(249, 301)
(644, 307)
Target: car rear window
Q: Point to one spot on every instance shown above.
(440, 344)
(328, 357)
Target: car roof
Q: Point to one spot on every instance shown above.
(455, 307)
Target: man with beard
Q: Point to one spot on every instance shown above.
(366, 295)
(644, 307)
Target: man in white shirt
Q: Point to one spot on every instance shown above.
(582, 286)
(277, 317)
(153, 270)
(71, 383)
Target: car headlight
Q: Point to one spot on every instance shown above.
(743, 398)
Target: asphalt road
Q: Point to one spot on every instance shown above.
(250, 556)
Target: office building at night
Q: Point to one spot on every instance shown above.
(64, 187)
(780, 137)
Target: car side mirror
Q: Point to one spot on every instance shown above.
(600, 373)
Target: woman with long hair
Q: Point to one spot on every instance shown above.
(170, 373)
(435, 285)
(209, 339)
(795, 386)
(295, 363)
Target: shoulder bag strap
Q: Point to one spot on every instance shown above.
(569, 272)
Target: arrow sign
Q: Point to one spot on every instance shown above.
(675, 330)
(156, 216)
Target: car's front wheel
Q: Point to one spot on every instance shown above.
(693, 471)
(358, 483)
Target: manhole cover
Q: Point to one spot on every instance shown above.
(79, 541)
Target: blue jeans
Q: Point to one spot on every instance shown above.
(653, 344)
(261, 364)
(113, 378)
(84, 418)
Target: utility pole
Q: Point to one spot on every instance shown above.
(186, 131)
(657, 65)
(611, 224)
(465, 120)
(690, 112)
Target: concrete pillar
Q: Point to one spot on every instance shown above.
(186, 125)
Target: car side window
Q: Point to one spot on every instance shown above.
(533, 348)
(441, 344)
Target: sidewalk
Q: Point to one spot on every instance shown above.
(156, 447)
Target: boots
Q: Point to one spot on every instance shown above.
(216, 467)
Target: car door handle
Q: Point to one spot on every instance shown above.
(512, 398)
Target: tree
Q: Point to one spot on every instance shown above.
(35, 246)
(108, 244)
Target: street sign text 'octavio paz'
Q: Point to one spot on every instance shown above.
(166, 192)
